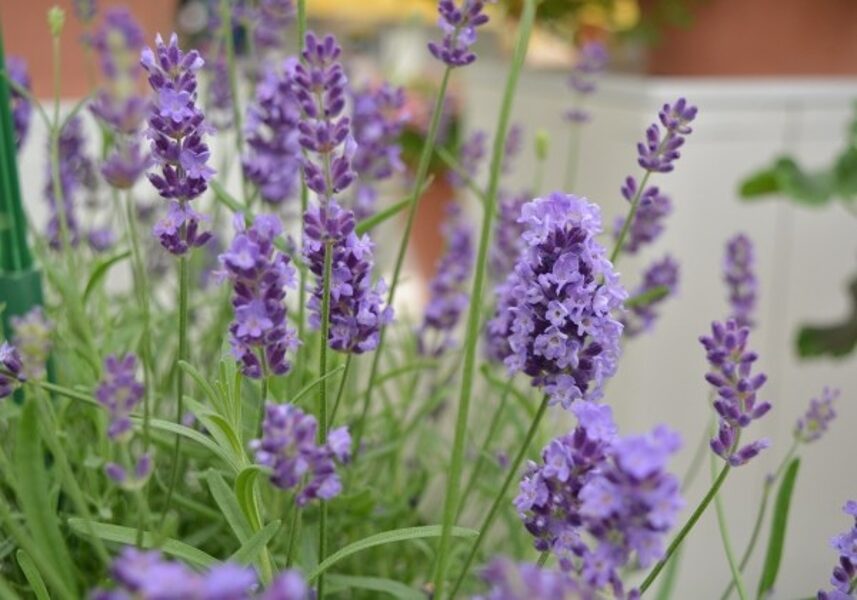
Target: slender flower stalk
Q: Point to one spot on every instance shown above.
(451, 504)
(723, 526)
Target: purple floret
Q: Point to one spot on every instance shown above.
(459, 31)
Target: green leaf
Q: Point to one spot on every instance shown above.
(787, 178)
(312, 384)
(379, 217)
(219, 428)
(774, 554)
(203, 384)
(244, 492)
(388, 537)
(225, 499)
(34, 497)
(190, 434)
(761, 183)
(845, 174)
(128, 535)
(100, 271)
(835, 340)
(253, 547)
(34, 578)
(226, 198)
(668, 579)
(648, 297)
(396, 589)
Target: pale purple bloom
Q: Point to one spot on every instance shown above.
(288, 585)
(592, 58)
(271, 20)
(459, 31)
(814, 423)
(740, 277)
(512, 146)
(648, 225)
(844, 578)
(75, 174)
(657, 153)
(512, 581)
(219, 92)
(21, 109)
(31, 334)
(118, 42)
(124, 166)
(11, 369)
(119, 392)
(660, 275)
(554, 318)
(507, 244)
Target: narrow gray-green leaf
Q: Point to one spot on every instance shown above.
(245, 494)
(250, 550)
(379, 217)
(779, 521)
(101, 269)
(312, 384)
(203, 384)
(34, 578)
(225, 499)
(396, 589)
(188, 433)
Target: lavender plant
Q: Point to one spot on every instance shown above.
(170, 440)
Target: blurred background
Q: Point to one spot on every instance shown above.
(772, 78)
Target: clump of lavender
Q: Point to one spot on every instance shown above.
(661, 279)
(654, 207)
(11, 370)
(459, 31)
(448, 294)
(271, 19)
(814, 423)
(75, 174)
(471, 153)
(507, 242)
(736, 386)
(31, 334)
(22, 111)
(259, 335)
(288, 447)
(273, 156)
(176, 129)
(844, 578)
(357, 311)
(378, 122)
(554, 317)
(740, 278)
(512, 581)
(591, 61)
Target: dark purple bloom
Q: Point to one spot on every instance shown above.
(740, 278)
(844, 578)
(11, 370)
(288, 447)
(814, 423)
(448, 295)
(459, 31)
(272, 160)
(511, 581)
(176, 130)
(119, 392)
(732, 377)
(470, 156)
(554, 317)
(592, 59)
(21, 109)
(260, 334)
(31, 334)
(663, 275)
(647, 226)
(357, 312)
(507, 243)
(657, 153)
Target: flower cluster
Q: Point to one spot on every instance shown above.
(660, 281)
(512, 581)
(738, 273)
(844, 578)
(260, 335)
(736, 386)
(554, 317)
(32, 337)
(507, 242)
(273, 156)
(647, 225)
(11, 370)
(471, 152)
(319, 87)
(21, 108)
(288, 447)
(378, 122)
(357, 312)
(591, 61)
(814, 423)
(176, 130)
(616, 490)
(459, 31)
(148, 576)
(448, 294)
(657, 153)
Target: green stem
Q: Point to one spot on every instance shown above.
(727, 543)
(474, 313)
(301, 22)
(696, 462)
(679, 538)
(293, 535)
(626, 226)
(501, 495)
(340, 393)
(184, 284)
(322, 399)
(413, 203)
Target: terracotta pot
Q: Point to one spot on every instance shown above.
(26, 34)
(427, 244)
(759, 37)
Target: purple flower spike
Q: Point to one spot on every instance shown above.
(118, 42)
(271, 21)
(732, 377)
(470, 156)
(657, 153)
(844, 578)
(119, 392)
(288, 447)
(357, 312)
(510, 581)
(260, 335)
(176, 130)
(21, 109)
(740, 278)
(641, 317)
(592, 60)
(76, 172)
(124, 166)
(32, 337)
(554, 317)
(814, 423)
(11, 370)
(448, 290)
(648, 225)
(459, 31)
(507, 236)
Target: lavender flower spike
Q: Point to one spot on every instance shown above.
(459, 31)
(740, 278)
(814, 423)
(11, 370)
(844, 578)
(470, 156)
(592, 59)
(662, 274)
(176, 129)
(119, 392)
(731, 376)
(657, 153)
(32, 337)
(510, 581)
(555, 314)
(647, 226)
